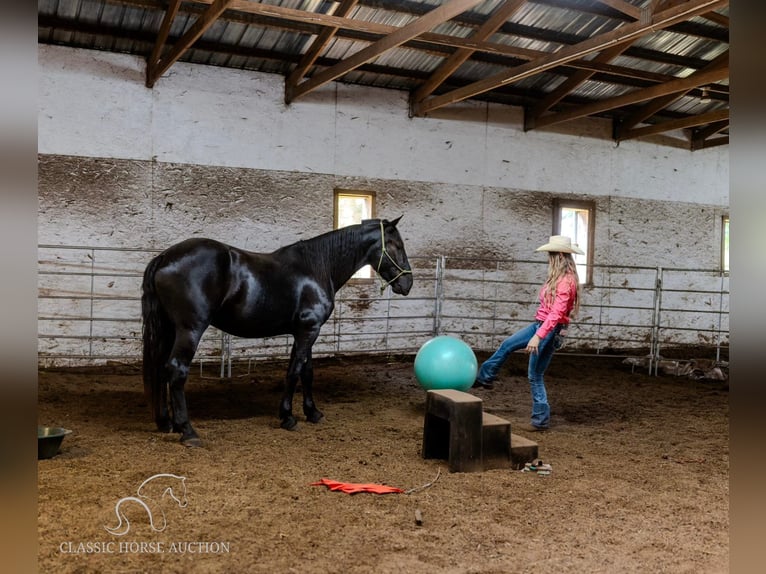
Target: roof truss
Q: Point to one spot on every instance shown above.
(655, 97)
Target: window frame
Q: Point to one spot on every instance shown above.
(590, 206)
(725, 246)
(344, 192)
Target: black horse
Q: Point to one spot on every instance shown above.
(202, 282)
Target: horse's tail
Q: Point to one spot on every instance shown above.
(158, 337)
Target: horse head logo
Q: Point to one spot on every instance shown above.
(150, 495)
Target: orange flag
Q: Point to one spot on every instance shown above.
(353, 488)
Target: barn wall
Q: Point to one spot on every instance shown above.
(216, 152)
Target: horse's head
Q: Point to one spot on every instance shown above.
(179, 493)
(393, 266)
(161, 485)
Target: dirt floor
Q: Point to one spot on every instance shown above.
(639, 482)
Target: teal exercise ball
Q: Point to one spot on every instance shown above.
(445, 363)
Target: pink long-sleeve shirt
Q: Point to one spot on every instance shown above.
(558, 312)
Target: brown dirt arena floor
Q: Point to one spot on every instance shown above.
(640, 479)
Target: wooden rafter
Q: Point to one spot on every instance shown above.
(624, 7)
(205, 20)
(692, 121)
(569, 85)
(499, 16)
(378, 29)
(661, 102)
(162, 37)
(436, 16)
(704, 133)
(716, 18)
(499, 39)
(703, 144)
(567, 54)
(636, 96)
(319, 44)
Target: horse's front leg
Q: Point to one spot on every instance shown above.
(288, 421)
(300, 364)
(313, 414)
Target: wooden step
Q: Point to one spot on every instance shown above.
(523, 450)
(456, 429)
(496, 442)
(452, 429)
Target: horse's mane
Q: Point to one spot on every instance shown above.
(339, 250)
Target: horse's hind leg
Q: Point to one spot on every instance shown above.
(162, 416)
(178, 367)
(313, 414)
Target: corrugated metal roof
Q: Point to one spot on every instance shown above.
(249, 37)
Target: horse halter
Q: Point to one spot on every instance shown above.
(383, 252)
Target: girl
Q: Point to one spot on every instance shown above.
(559, 298)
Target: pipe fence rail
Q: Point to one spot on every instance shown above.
(89, 310)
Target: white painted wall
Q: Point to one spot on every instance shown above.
(95, 104)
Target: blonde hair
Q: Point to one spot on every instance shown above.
(559, 266)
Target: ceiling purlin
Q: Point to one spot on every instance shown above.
(568, 53)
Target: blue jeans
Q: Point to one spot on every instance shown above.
(538, 363)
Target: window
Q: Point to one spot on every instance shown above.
(725, 244)
(352, 207)
(575, 219)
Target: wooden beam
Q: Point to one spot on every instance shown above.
(635, 97)
(570, 84)
(624, 33)
(652, 107)
(205, 20)
(319, 44)
(624, 7)
(438, 15)
(711, 130)
(348, 24)
(691, 121)
(704, 144)
(498, 17)
(716, 18)
(162, 37)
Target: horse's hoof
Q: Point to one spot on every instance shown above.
(164, 425)
(192, 441)
(315, 417)
(290, 423)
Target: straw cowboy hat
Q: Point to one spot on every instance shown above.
(560, 244)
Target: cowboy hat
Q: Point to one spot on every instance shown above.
(560, 244)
